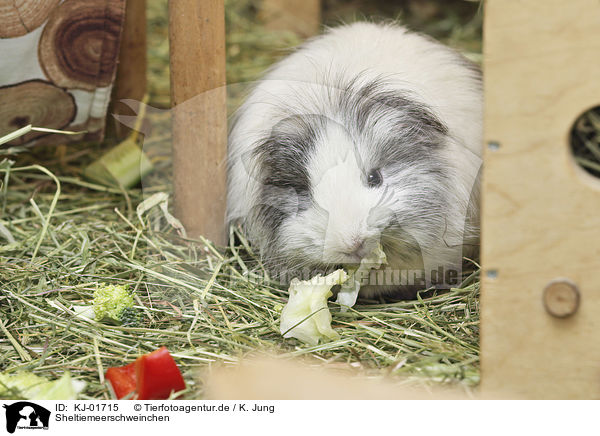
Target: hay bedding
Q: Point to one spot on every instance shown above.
(61, 236)
(207, 304)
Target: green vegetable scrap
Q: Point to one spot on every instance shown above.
(306, 316)
(349, 290)
(29, 386)
(115, 303)
(130, 317)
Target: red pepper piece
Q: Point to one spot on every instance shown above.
(122, 379)
(157, 375)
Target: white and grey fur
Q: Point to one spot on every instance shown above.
(359, 98)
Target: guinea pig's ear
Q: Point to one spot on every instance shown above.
(251, 165)
(279, 199)
(274, 205)
(284, 199)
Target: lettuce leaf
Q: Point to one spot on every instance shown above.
(349, 291)
(306, 315)
(29, 386)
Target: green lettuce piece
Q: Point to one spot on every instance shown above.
(29, 386)
(306, 315)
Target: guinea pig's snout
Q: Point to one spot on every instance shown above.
(356, 247)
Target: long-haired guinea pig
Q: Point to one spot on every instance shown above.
(369, 134)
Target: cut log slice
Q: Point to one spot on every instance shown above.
(34, 102)
(80, 43)
(19, 17)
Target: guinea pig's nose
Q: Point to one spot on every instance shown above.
(357, 248)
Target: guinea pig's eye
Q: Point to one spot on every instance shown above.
(374, 178)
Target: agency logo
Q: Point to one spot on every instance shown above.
(26, 415)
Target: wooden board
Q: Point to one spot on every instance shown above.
(131, 80)
(541, 213)
(198, 95)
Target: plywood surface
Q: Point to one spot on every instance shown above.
(541, 213)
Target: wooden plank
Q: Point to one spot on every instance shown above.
(131, 81)
(301, 17)
(540, 212)
(198, 95)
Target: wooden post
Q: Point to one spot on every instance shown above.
(198, 95)
(540, 332)
(302, 17)
(131, 81)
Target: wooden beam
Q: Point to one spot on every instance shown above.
(540, 332)
(131, 81)
(198, 95)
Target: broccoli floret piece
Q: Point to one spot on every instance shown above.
(130, 317)
(112, 301)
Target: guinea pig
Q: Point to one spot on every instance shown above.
(369, 134)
